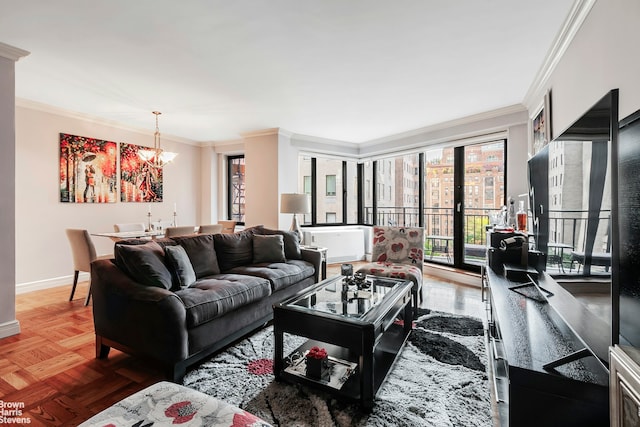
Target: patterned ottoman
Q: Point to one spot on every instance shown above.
(167, 403)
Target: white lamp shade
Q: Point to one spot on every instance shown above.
(295, 203)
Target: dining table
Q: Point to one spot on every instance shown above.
(122, 235)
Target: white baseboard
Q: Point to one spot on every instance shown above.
(8, 329)
(22, 288)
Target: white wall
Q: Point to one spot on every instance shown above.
(602, 56)
(261, 178)
(208, 190)
(43, 257)
(287, 175)
(8, 323)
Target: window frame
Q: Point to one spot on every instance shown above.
(230, 189)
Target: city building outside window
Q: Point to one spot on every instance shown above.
(235, 190)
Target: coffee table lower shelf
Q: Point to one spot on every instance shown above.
(337, 373)
(384, 356)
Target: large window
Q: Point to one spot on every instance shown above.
(450, 191)
(235, 196)
(333, 186)
(397, 182)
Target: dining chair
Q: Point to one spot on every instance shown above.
(228, 227)
(84, 253)
(184, 230)
(210, 229)
(130, 226)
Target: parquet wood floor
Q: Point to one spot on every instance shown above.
(51, 368)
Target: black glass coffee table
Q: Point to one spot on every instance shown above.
(359, 328)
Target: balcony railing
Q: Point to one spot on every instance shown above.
(567, 230)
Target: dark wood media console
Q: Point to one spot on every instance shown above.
(546, 357)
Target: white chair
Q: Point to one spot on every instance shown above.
(228, 226)
(84, 252)
(179, 231)
(131, 226)
(210, 229)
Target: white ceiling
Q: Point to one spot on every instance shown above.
(348, 70)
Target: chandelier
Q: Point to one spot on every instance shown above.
(156, 157)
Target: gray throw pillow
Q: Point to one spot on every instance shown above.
(268, 249)
(144, 264)
(233, 250)
(178, 259)
(201, 252)
(291, 241)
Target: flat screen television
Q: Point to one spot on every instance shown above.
(573, 196)
(629, 230)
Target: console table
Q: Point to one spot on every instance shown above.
(536, 357)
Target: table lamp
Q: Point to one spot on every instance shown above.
(296, 204)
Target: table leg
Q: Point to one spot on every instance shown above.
(278, 343)
(367, 371)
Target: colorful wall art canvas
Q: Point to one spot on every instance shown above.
(87, 170)
(139, 182)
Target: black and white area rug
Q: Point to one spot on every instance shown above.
(439, 379)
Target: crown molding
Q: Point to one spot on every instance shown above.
(577, 15)
(309, 139)
(329, 147)
(46, 108)
(487, 115)
(10, 52)
(261, 132)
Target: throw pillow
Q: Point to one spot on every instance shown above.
(178, 259)
(202, 253)
(268, 249)
(291, 241)
(234, 250)
(144, 264)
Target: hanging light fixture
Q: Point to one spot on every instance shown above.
(156, 157)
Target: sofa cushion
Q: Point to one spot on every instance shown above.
(144, 263)
(233, 249)
(216, 295)
(279, 274)
(178, 259)
(291, 240)
(201, 252)
(268, 248)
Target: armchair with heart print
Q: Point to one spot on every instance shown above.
(398, 252)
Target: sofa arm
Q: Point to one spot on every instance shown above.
(315, 258)
(145, 319)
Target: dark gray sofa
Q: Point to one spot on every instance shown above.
(179, 300)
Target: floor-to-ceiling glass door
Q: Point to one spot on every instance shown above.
(482, 195)
(463, 186)
(439, 189)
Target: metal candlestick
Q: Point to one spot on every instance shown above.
(175, 221)
(149, 221)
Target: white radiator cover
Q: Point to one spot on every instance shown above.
(342, 245)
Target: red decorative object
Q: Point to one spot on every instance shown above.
(316, 362)
(317, 353)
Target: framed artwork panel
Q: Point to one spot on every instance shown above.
(139, 182)
(541, 124)
(87, 170)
